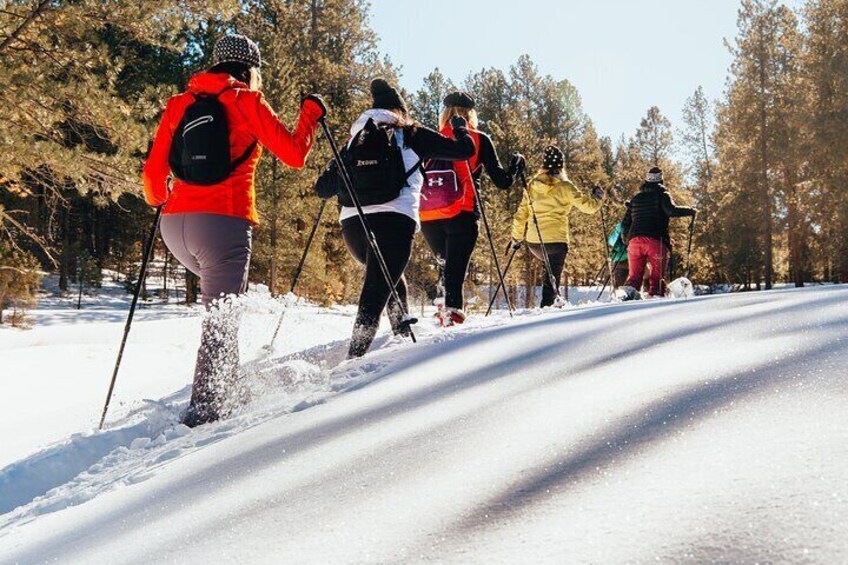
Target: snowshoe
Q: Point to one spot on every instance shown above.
(680, 288)
(452, 317)
(559, 302)
(627, 293)
(195, 416)
(440, 309)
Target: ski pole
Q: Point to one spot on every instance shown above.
(498, 289)
(597, 277)
(491, 245)
(298, 271)
(372, 239)
(689, 248)
(603, 288)
(607, 248)
(596, 280)
(148, 253)
(547, 261)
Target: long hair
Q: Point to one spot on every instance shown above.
(241, 72)
(470, 115)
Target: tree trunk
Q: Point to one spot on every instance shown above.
(64, 261)
(165, 263)
(794, 234)
(766, 192)
(191, 281)
(842, 247)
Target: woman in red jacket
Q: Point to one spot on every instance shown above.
(208, 227)
(449, 209)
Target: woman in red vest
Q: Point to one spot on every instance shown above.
(449, 211)
(207, 227)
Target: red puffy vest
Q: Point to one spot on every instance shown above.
(431, 204)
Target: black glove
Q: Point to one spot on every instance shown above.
(316, 98)
(598, 193)
(458, 123)
(517, 164)
(514, 244)
(328, 184)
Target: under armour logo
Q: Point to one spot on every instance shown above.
(435, 181)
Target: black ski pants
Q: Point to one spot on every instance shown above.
(394, 233)
(557, 252)
(453, 241)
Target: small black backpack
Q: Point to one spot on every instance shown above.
(375, 163)
(200, 150)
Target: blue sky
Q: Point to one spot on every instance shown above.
(622, 55)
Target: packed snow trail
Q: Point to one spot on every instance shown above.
(713, 429)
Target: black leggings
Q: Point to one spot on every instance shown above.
(453, 241)
(394, 233)
(557, 252)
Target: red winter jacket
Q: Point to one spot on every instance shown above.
(250, 119)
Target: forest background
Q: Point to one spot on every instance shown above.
(83, 84)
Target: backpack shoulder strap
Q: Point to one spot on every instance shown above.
(244, 157)
(417, 166)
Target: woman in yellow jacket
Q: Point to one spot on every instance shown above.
(553, 196)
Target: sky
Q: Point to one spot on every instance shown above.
(623, 56)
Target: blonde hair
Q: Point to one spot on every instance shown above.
(470, 115)
(255, 79)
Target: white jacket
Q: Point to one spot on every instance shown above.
(409, 200)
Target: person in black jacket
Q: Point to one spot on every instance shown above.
(645, 228)
(451, 231)
(394, 222)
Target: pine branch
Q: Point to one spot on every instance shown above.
(39, 9)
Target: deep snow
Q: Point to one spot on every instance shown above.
(711, 429)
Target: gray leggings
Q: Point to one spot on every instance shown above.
(214, 247)
(217, 249)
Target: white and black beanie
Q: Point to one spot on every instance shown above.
(654, 175)
(236, 49)
(553, 159)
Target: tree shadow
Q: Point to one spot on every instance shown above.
(639, 429)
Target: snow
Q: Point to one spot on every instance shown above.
(707, 429)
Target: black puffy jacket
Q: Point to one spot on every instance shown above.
(648, 213)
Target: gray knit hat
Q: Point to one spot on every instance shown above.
(236, 49)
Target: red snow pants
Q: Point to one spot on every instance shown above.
(642, 251)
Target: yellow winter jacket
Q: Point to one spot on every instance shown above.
(553, 198)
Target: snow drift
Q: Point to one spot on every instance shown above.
(708, 429)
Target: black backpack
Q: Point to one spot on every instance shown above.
(375, 163)
(200, 150)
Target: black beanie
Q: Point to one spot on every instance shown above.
(459, 99)
(553, 159)
(654, 175)
(385, 96)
